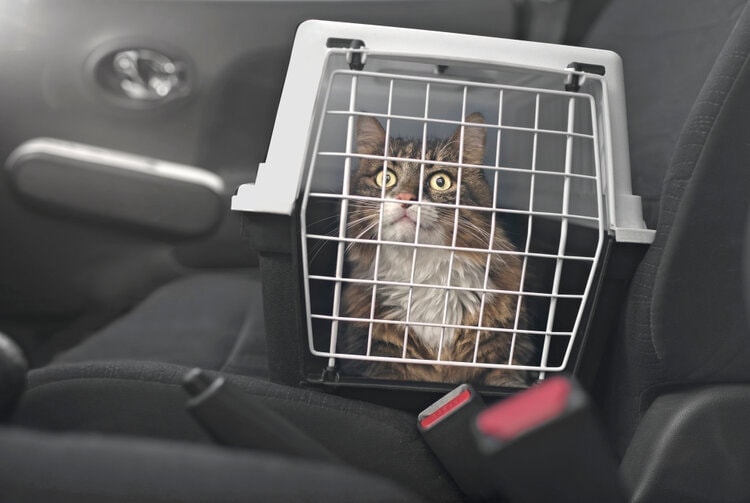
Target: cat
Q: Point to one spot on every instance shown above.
(436, 227)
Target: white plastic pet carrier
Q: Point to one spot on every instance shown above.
(555, 161)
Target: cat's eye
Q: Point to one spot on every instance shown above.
(440, 181)
(390, 178)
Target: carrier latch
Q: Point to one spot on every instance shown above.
(355, 58)
(574, 80)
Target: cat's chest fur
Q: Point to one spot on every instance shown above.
(429, 304)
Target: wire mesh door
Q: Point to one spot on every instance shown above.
(451, 228)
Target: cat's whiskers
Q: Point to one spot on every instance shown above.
(319, 244)
(362, 233)
(333, 220)
(474, 236)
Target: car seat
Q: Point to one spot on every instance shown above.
(209, 320)
(683, 320)
(82, 468)
(677, 401)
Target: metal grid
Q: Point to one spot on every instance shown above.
(549, 179)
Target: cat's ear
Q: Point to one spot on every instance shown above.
(474, 139)
(370, 136)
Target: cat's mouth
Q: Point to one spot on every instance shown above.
(407, 219)
(401, 225)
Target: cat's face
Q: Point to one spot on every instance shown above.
(406, 183)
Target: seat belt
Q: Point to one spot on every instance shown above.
(542, 444)
(236, 419)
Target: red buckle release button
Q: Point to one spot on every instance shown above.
(527, 410)
(445, 409)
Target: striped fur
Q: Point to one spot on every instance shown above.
(430, 308)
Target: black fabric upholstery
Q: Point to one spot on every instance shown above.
(213, 321)
(126, 380)
(78, 468)
(692, 446)
(685, 319)
(13, 369)
(667, 48)
(145, 399)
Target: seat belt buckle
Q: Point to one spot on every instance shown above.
(446, 428)
(545, 444)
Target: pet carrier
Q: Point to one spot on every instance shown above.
(425, 192)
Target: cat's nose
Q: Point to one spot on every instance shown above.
(405, 196)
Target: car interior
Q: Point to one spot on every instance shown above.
(144, 349)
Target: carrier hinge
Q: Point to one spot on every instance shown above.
(574, 80)
(355, 58)
(330, 375)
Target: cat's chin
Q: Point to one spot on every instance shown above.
(400, 223)
(403, 230)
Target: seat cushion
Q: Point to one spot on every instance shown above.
(145, 399)
(83, 468)
(213, 321)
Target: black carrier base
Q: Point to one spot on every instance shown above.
(292, 363)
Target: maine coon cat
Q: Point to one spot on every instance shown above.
(402, 183)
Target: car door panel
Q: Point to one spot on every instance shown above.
(234, 54)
